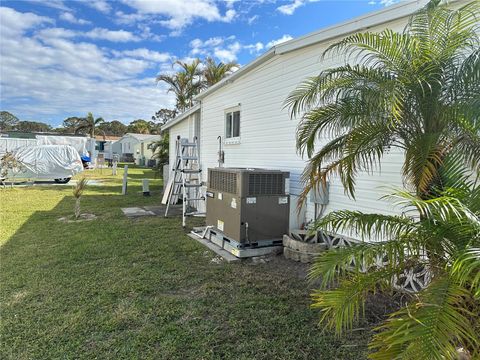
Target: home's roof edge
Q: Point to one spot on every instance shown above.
(250, 66)
(181, 117)
(373, 18)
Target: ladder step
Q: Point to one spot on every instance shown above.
(188, 157)
(192, 171)
(189, 144)
(194, 213)
(192, 185)
(194, 199)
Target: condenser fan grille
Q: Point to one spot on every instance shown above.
(223, 181)
(266, 184)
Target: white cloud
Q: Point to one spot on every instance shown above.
(97, 34)
(180, 13)
(255, 48)
(289, 9)
(228, 54)
(54, 4)
(13, 23)
(55, 33)
(225, 49)
(284, 38)
(149, 55)
(69, 17)
(100, 5)
(388, 2)
(230, 3)
(112, 35)
(129, 19)
(252, 19)
(49, 76)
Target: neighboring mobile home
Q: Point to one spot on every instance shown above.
(107, 146)
(247, 111)
(138, 148)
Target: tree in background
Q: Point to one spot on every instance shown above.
(139, 126)
(32, 126)
(214, 72)
(88, 124)
(113, 128)
(164, 115)
(8, 121)
(160, 118)
(70, 124)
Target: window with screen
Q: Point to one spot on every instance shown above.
(232, 124)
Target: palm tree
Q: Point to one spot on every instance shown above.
(160, 150)
(418, 90)
(192, 78)
(193, 74)
(213, 72)
(185, 83)
(178, 84)
(442, 317)
(88, 124)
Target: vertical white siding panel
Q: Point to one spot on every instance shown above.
(268, 134)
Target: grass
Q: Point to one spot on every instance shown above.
(115, 288)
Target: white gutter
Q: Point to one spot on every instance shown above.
(361, 23)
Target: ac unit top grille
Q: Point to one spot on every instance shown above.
(266, 184)
(247, 182)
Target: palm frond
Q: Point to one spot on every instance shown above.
(341, 307)
(374, 227)
(466, 269)
(334, 264)
(430, 328)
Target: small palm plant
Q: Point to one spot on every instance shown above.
(441, 234)
(78, 189)
(10, 166)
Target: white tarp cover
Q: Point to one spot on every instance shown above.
(48, 161)
(78, 142)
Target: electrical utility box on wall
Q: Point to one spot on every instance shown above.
(320, 195)
(249, 206)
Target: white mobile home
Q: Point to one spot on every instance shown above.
(137, 147)
(246, 110)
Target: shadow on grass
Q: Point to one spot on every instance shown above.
(119, 288)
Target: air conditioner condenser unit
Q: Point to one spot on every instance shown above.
(247, 208)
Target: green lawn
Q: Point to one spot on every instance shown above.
(115, 288)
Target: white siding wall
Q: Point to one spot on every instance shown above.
(182, 129)
(268, 134)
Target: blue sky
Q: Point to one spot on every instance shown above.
(65, 58)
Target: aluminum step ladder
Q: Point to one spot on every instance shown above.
(185, 182)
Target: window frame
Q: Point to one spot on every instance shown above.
(229, 130)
